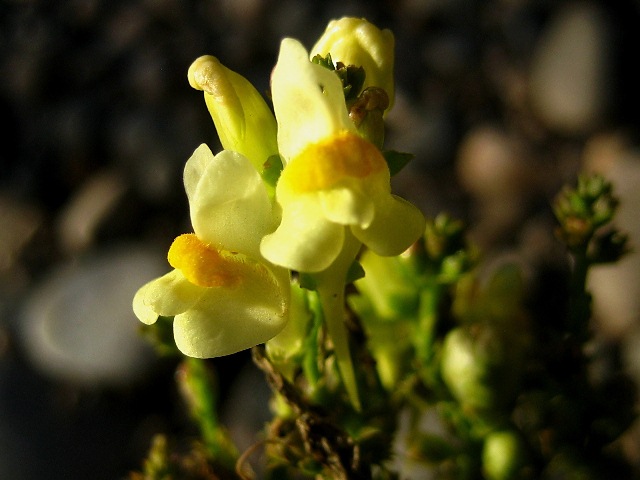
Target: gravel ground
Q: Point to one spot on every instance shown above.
(501, 101)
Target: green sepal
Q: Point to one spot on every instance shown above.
(271, 170)
(351, 76)
(396, 161)
(352, 80)
(307, 281)
(160, 335)
(325, 62)
(355, 272)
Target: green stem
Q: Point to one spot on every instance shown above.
(330, 285)
(427, 318)
(310, 362)
(199, 391)
(579, 300)
(333, 307)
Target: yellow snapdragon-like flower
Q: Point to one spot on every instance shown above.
(355, 41)
(333, 178)
(224, 296)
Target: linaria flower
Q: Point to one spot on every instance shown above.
(225, 297)
(333, 178)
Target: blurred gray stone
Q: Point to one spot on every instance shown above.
(424, 131)
(492, 164)
(81, 217)
(616, 288)
(631, 353)
(20, 223)
(571, 69)
(78, 325)
(496, 171)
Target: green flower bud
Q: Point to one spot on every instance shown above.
(584, 210)
(387, 286)
(480, 367)
(366, 113)
(444, 236)
(390, 346)
(386, 297)
(570, 465)
(496, 300)
(503, 456)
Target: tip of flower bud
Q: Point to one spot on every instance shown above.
(206, 73)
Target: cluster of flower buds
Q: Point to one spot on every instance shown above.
(584, 214)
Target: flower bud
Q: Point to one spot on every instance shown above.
(388, 286)
(355, 41)
(503, 456)
(480, 367)
(366, 113)
(244, 122)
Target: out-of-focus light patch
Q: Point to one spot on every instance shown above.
(78, 325)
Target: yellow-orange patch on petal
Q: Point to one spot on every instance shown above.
(325, 164)
(201, 264)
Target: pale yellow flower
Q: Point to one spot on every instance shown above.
(224, 296)
(333, 178)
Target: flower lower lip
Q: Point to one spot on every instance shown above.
(324, 164)
(201, 264)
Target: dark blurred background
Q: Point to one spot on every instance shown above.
(502, 101)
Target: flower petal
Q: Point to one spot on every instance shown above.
(396, 225)
(167, 296)
(194, 169)
(227, 320)
(305, 240)
(230, 206)
(143, 311)
(308, 100)
(347, 206)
